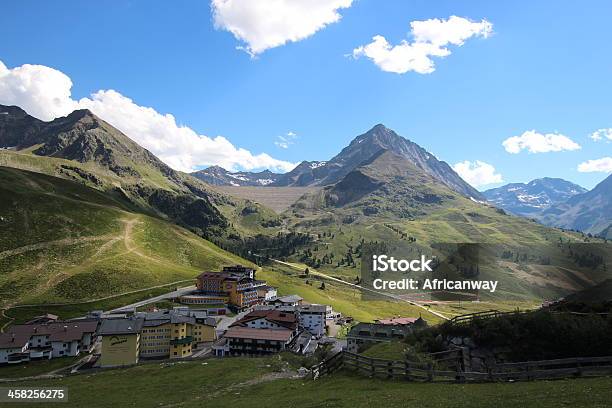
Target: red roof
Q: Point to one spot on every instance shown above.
(286, 319)
(258, 334)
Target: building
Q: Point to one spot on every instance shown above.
(120, 341)
(234, 285)
(398, 321)
(290, 300)
(13, 348)
(266, 292)
(313, 318)
(47, 340)
(260, 332)
(256, 342)
(160, 334)
(370, 333)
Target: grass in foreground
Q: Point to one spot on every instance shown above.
(34, 368)
(239, 382)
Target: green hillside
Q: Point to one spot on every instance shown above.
(389, 200)
(61, 242)
(248, 382)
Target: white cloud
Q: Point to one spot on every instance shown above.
(287, 140)
(601, 134)
(536, 142)
(603, 165)
(430, 40)
(45, 93)
(477, 173)
(271, 23)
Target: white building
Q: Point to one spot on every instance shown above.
(313, 318)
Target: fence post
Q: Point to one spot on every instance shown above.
(429, 372)
(407, 370)
(372, 368)
(389, 369)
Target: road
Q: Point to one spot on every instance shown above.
(155, 299)
(390, 295)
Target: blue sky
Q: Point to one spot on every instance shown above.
(547, 66)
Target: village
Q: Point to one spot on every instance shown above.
(227, 313)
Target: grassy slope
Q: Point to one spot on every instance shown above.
(231, 207)
(400, 209)
(62, 241)
(239, 382)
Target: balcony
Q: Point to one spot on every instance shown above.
(181, 341)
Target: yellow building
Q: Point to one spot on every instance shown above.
(120, 341)
(160, 334)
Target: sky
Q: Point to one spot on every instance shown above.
(503, 91)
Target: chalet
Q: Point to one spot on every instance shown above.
(50, 340)
(290, 300)
(243, 340)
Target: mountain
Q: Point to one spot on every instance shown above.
(363, 148)
(218, 176)
(589, 212)
(531, 198)
(61, 241)
(84, 148)
(390, 202)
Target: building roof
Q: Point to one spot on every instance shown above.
(398, 321)
(258, 334)
(311, 308)
(121, 326)
(287, 299)
(57, 331)
(377, 330)
(13, 340)
(282, 318)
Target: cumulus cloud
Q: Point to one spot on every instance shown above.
(45, 93)
(535, 142)
(430, 39)
(602, 134)
(477, 173)
(603, 165)
(262, 25)
(286, 140)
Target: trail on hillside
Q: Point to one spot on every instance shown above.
(396, 297)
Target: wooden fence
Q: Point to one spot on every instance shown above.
(432, 371)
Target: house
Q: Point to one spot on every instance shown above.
(312, 318)
(254, 342)
(369, 333)
(266, 292)
(269, 319)
(13, 347)
(54, 339)
(290, 300)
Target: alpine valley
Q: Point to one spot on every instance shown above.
(85, 210)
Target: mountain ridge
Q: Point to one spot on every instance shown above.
(528, 199)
